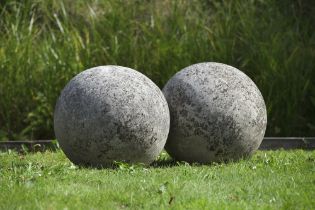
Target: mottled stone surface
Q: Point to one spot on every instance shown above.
(217, 114)
(111, 113)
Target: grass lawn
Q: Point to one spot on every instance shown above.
(269, 180)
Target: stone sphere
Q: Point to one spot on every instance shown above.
(217, 114)
(111, 113)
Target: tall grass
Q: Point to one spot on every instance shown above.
(43, 44)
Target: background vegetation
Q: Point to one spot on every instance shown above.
(44, 43)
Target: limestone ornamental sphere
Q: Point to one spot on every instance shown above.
(217, 114)
(111, 113)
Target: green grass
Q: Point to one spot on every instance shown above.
(44, 43)
(269, 180)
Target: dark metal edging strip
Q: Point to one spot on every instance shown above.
(269, 143)
(273, 143)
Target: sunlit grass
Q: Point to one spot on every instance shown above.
(268, 180)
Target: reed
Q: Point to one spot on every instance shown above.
(43, 44)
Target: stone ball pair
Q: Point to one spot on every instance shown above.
(113, 113)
